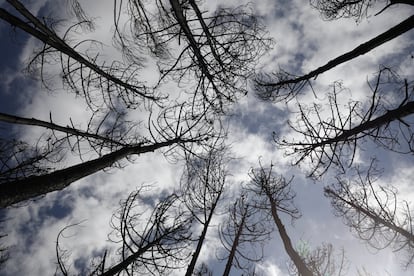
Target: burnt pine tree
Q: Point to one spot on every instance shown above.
(216, 48)
(243, 235)
(273, 195)
(156, 242)
(333, 139)
(282, 85)
(202, 187)
(31, 186)
(374, 212)
(225, 45)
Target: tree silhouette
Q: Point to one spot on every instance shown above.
(150, 243)
(240, 234)
(202, 187)
(285, 86)
(218, 49)
(374, 212)
(331, 10)
(333, 139)
(274, 195)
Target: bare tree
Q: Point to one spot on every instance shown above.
(357, 9)
(242, 233)
(333, 139)
(282, 85)
(374, 212)
(274, 196)
(321, 261)
(202, 186)
(235, 38)
(113, 84)
(218, 49)
(152, 243)
(173, 128)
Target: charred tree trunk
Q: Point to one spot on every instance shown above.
(33, 186)
(235, 244)
(200, 242)
(294, 256)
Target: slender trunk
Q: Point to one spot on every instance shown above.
(200, 242)
(362, 49)
(129, 260)
(409, 236)
(47, 36)
(294, 256)
(389, 116)
(178, 12)
(68, 130)
(235, 244)
(33, 186)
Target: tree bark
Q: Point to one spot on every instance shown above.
(362, 49)
(200, 242)
(389, 116)
(34, 186)
(294, 256)
(68, 130)
(409, 236)
(235, 244)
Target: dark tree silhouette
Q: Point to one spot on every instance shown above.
(113, 84)
(154, 243)
(333, 139)
(202, 186)
(321, 261)
(357, 9)
(216, 49)
(240, 234)
(274, 195)
(374, 212)
(283, 85)
(169, 135)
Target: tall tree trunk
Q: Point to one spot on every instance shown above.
(409, 236)
(362, 49)
(235, 244)
(391, 115)
(294, 256)
(33, 186)
(49, 125)
(49, 37)
(200, 242)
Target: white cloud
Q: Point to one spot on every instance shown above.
(297, 30)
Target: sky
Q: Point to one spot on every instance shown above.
(303, 41)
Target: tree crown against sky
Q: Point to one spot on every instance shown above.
(163, 81)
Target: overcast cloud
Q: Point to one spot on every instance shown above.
(303, 42)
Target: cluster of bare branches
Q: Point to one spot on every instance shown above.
(284, 86)
(374, 212)
(243, 235)
(333, 138)
(153, 243)
(100, 84)
(218, 50)
(321, 261)
(359, 9)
